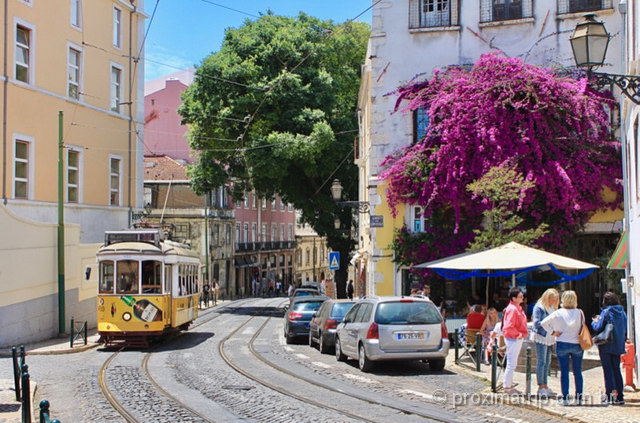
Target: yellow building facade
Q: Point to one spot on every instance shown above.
(83, 58)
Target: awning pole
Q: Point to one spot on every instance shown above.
(513, 280)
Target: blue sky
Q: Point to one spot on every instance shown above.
(183, 32)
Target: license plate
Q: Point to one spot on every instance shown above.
(410, 335)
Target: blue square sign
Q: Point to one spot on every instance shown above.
(334, 260)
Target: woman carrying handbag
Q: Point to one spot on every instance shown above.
(611, 326)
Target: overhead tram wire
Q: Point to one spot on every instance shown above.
(230, 8)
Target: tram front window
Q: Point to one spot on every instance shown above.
(151, 277)
(106, 278)
(127, 277)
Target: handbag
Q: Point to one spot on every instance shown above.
(584, 336)
(605, 336)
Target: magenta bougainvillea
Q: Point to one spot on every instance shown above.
(554, 130)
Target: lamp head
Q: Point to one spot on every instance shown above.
(336, 190)
(589, 42)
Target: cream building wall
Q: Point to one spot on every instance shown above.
(91, 127)
(29, 279)
(397, 53)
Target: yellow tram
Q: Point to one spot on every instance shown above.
(148, 287)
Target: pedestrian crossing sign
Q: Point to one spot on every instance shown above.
(334, 260)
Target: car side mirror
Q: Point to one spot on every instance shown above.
(285, 308)
(345, 320)
(315, 314)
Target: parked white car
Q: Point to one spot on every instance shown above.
(393, 328)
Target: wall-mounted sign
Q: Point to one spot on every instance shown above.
(376, 221)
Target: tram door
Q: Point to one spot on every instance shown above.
(168, 289)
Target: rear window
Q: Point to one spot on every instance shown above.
(304, 293)
(413, 313)
(309, 306)
(341, 309)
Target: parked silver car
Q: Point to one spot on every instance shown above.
(393, 328)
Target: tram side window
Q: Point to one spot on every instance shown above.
(127, 277)
(151, 277)
(168, 279)
(106, 277)
(181, 290)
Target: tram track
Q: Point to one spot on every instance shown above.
(431, 415)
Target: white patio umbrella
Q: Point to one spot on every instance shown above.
(508, 256)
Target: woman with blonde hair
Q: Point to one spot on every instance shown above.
(487, 327)
(547, 304)
(565, 324)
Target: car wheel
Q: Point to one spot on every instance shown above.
(436, 364)
(339, 355)
(323, 345)
(311, 343)
(289, 339)
(364, 363)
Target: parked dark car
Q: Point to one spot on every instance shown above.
(296, 321)
(322, 329)
(302, 292)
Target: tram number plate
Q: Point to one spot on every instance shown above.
(410, 335)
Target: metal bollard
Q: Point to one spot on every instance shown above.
(71, 333)
(44, 411)
(26, 395)
(22, 354)
(455, 344)
(85, 333)
(16, 372)
(494, 366)
(478, 351)
(528, 374)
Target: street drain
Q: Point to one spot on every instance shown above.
(237, 387)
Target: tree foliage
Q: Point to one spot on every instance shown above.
(553, 130)
(503, 188)
(302, 76)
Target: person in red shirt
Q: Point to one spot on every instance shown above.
(514, 330)
(475, 318)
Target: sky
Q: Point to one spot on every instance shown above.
(183, 32)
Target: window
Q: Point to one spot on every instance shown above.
(264, 203)
(105, 284)
(73, 73)
(577, 6)
(246, 200)
(282, 205)
(502, 10)
(254, 232)
(117, 27)
(215, 234)
(274, 231)
(237, 232)
(290, 207)
(245, 236)
(114, 181)
(182, 230)
(21, 169)
(76, 13)
(228, 234)
(116, 88)
(273, 204)
(417, 220)
(151, 277)
(73, 176)
(282, 232)
(253, 200)
(263, 232)
(420, 124)
(433, 13)
(23, 54)
(308, 257)
(127, 277)
(290, 231)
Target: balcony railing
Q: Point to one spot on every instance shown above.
(578, 6)
(433, 13)
(265, 246)
(504, 10)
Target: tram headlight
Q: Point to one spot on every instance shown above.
(126, 316)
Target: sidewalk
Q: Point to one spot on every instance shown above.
(10, 409)
(591, 412)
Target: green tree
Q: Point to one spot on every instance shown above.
(286, 124)
(500, 190)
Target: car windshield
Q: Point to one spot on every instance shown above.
(340, 309)
(304, 293)
(307, 306)
(403, 313)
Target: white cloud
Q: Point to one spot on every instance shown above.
(160, 61)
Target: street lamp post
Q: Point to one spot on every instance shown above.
(589, 43)
(336, 193)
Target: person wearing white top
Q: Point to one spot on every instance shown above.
(565, 324)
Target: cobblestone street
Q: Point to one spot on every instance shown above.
(234, 365)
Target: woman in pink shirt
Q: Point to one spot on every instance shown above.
(514, 330)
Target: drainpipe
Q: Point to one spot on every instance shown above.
(130, 125)
(4, 103)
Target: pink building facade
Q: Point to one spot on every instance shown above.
(265, 243)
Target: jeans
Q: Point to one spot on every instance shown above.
(513, 351)
(612, 375)
(543, 361)
(570, 352)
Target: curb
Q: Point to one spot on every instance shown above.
(520, 404)
(55, 352)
